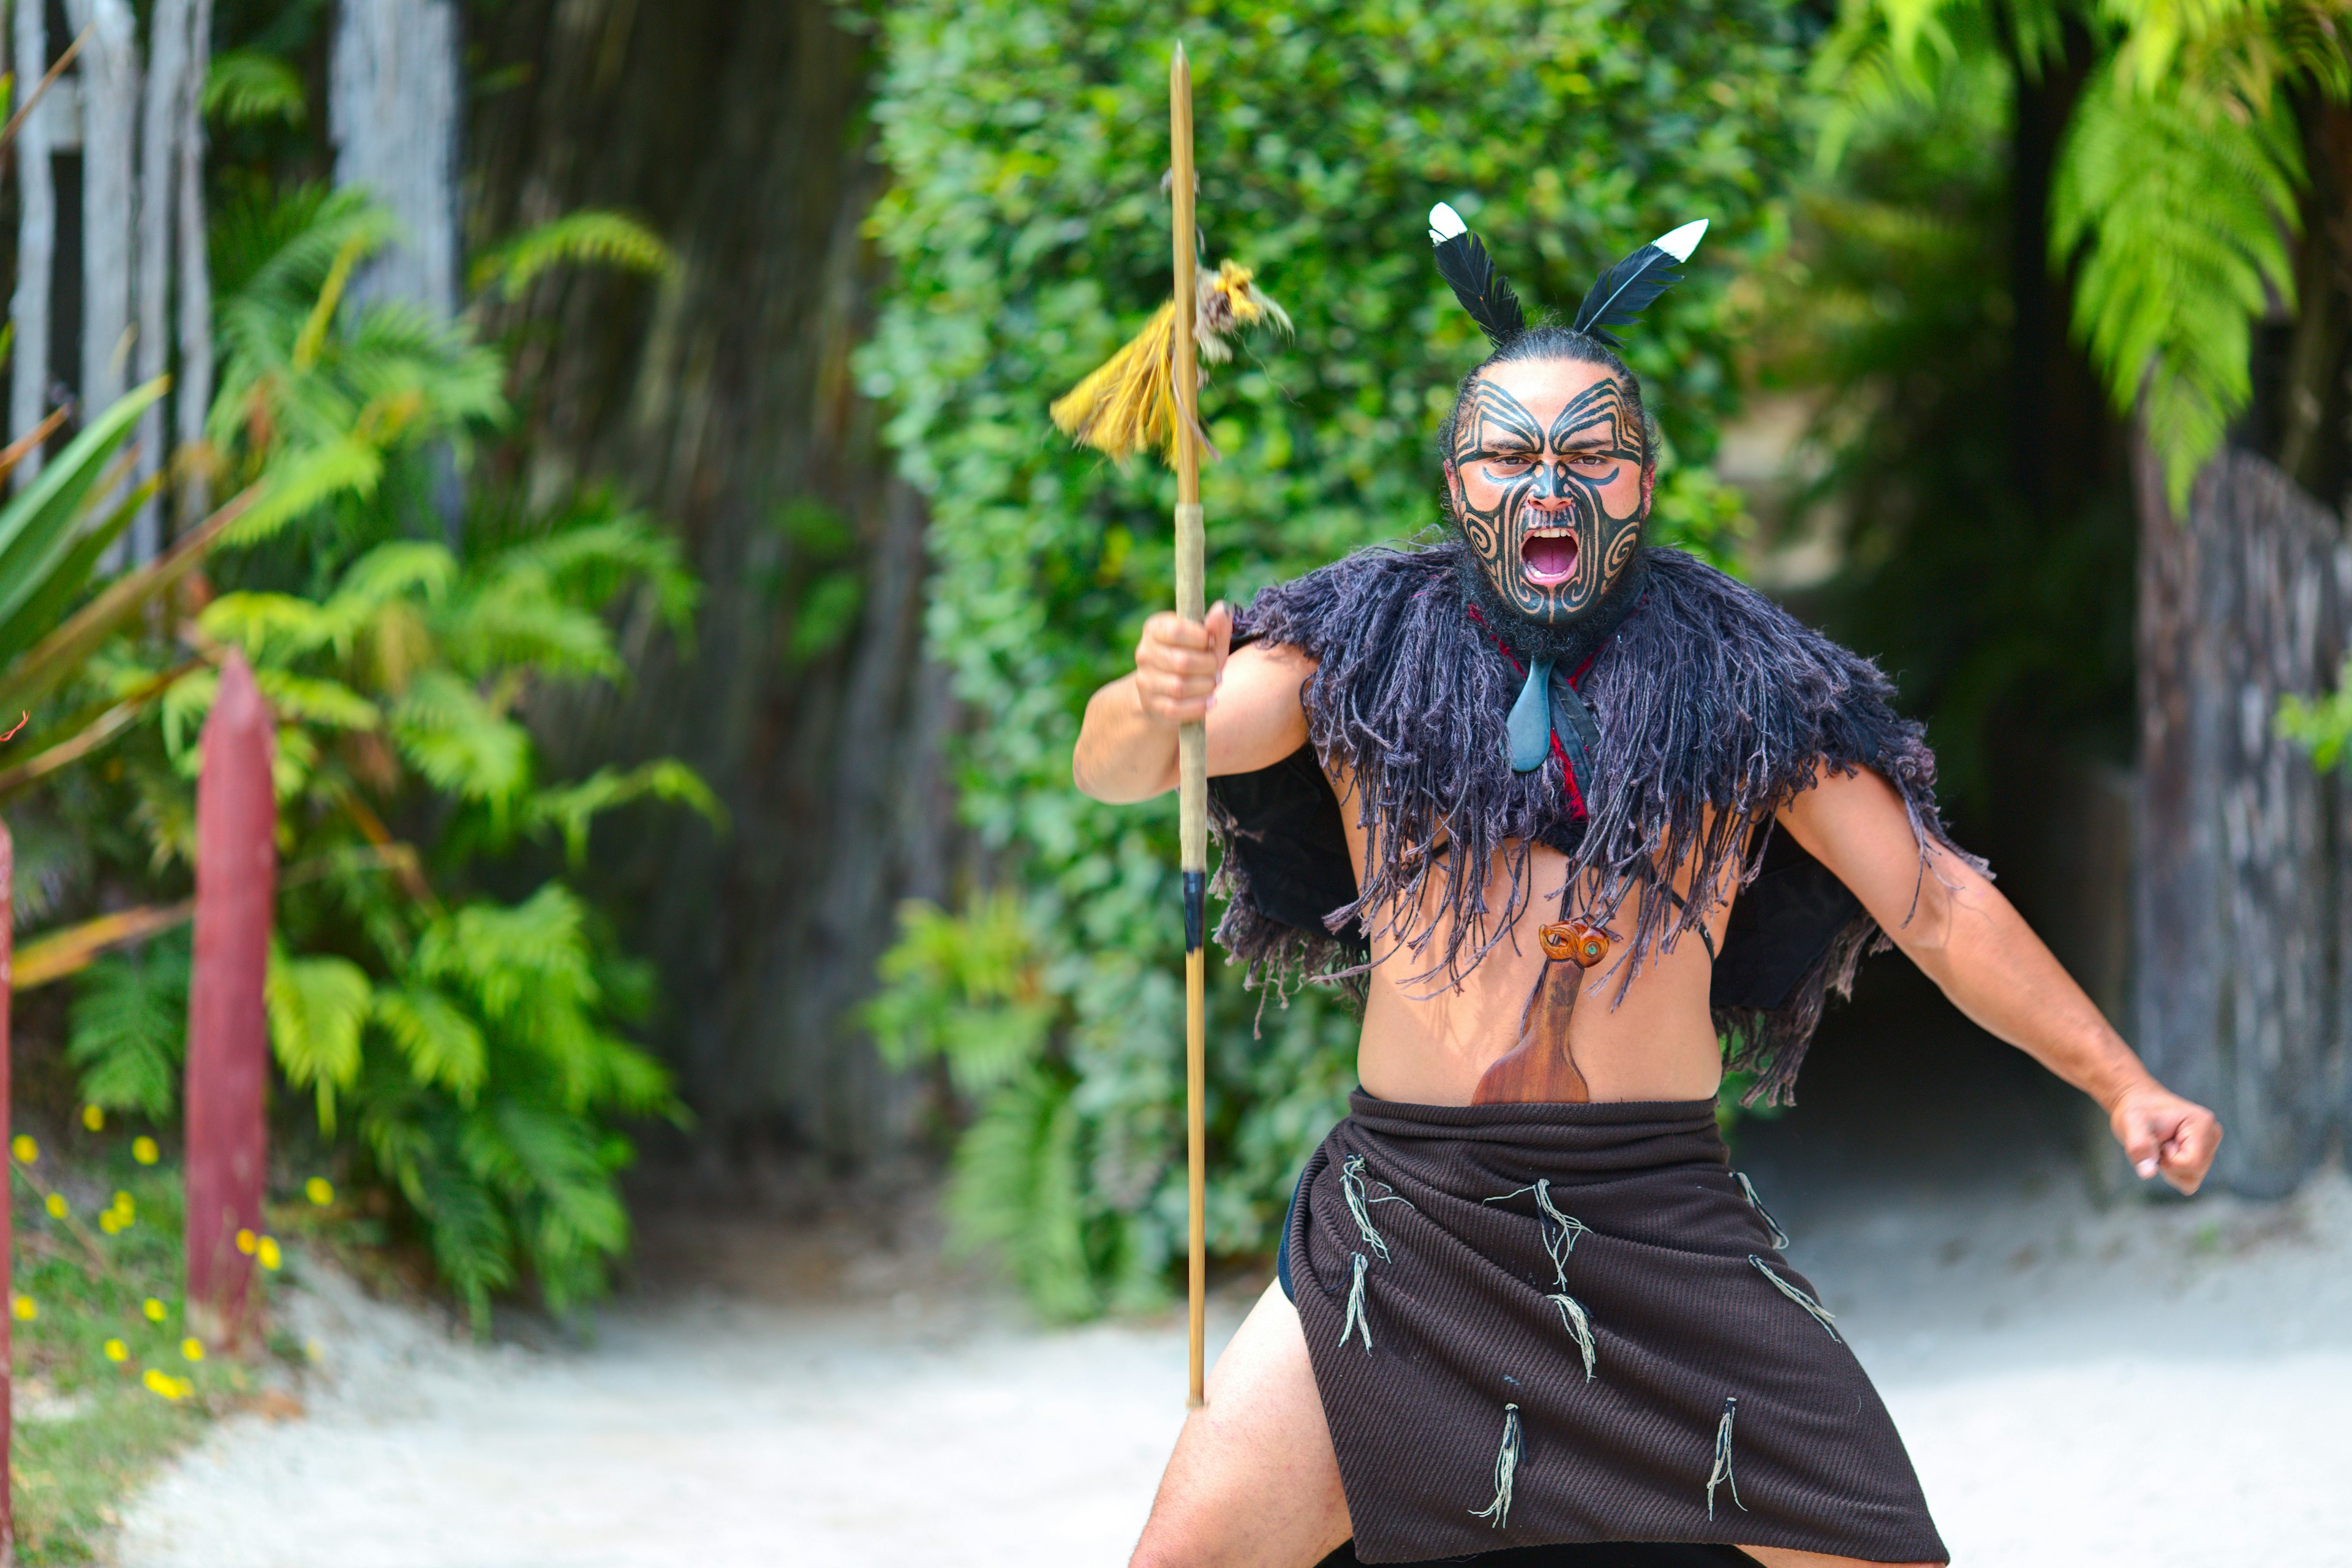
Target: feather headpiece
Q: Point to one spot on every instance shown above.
(1620, 297)
(1130, 402)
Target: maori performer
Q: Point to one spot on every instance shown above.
(1586, 823)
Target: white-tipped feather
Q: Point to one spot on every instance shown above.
(1677, 243)
(1444, 223)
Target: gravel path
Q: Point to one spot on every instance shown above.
(2145, 1383)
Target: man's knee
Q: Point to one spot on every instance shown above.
(1168, 1545)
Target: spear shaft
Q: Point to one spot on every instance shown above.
(1191, 740)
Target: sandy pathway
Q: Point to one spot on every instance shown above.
(2137, 1385)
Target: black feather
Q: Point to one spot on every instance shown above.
(1624, 291)
(1463, 262)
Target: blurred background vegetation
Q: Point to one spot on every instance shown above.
(677, 617)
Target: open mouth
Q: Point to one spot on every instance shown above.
(1548, 556)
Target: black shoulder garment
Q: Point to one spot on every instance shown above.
(1714, 707)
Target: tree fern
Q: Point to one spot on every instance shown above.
(2179, 210)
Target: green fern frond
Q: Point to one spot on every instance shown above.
(316, 1007)
(514, 614)
(244, 87)
(448, 734)
(1016, 1189)
(593, 238)
(968, 989)
(442, 1044)
(127, 1028)
(303, 483)
(2179, 210)
(571, 808)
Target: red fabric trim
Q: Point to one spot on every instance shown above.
(1559, 751)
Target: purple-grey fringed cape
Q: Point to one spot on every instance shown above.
(1714, 707)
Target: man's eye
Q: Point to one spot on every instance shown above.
(1592, 459)
(1511, 465)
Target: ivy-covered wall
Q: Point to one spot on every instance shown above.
(1027, 143)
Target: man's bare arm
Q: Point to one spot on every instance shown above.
(1127, 747)
(1969, 938)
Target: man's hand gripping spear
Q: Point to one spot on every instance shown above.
(1147, 394)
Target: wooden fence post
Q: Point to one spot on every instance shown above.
(7, 1223)
(228, 1023)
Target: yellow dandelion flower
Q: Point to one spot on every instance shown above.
(26, 1309)
(162, 1383)
(56, 1203)
(109, 1221)
(94, 1118)
(192, 1348)
(156, 1311)
(245, 1242)
(319, 1191)
(269, 1253)
(25, 1148)
(124, 1208)
(117, 1352)
(143, 1150)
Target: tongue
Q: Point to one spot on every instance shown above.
(1550, 558)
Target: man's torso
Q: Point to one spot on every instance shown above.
(1430, 1043)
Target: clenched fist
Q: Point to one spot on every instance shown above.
(1178, 666)
(2166, 1135)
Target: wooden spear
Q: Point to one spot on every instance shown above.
(1191, 740)
(1148, 393)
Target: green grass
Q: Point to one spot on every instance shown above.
(91, 1427)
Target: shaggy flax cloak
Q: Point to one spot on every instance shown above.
(1715, 706)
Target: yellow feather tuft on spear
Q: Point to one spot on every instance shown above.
(1129, 402)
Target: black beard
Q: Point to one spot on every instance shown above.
(1567, 643)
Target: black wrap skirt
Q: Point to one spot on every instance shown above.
(1534, 1324)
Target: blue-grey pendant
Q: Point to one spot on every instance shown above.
(1530, 723)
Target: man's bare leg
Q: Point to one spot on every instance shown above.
(1253, 1482)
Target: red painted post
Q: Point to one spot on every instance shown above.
(8, 1221)
(228, 1025)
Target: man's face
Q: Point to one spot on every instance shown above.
(1550, 483)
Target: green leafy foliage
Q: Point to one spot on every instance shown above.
(130, 1028)
(246, 86)
(1890, 320)
(462, 1044)
(1031, 239)
(2177, 185)
(2321, 725)
(2178, 206)
(592, 238)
